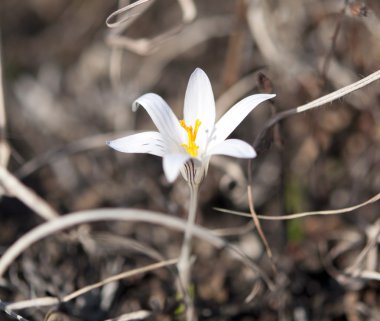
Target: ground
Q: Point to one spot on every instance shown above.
(69, 81)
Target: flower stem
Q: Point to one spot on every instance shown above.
(184, 262)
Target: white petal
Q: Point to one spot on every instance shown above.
(199, 102)
(173, 164)
(235, 115)
(162, 116)
(147, 142)
(234, 148)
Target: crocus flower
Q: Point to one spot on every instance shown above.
(187, 145)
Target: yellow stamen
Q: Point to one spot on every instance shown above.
(190, 147)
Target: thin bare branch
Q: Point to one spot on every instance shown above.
(4, 147)
(125, 16)
(133, 316)
(17, 189)
(8, 311)
(370, 275)
(373, 235)
(56, 154)
(50, 301)
(257, 222)
(36, 302)
(304, 214)
(119, 276)
(319, 102)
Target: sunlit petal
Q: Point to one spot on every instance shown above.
(234, 148)
(162, 116)
(233, 117)
(173, 164)
(147, 142)
(199, 102)
(196, 137)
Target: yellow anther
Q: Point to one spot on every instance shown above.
(191, 147)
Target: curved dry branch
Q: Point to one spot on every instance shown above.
(55, 154)
(26, 195)
(318, 102)
(120, 19)
(129, 215)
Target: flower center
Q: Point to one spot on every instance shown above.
(191, 147)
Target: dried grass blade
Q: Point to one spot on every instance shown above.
(119, 276)
(304, 214)
(133, 316)
(257, 222)
(17, 189)
(318, 102)
(4, 307)
(4, 147)
(131, 215)
(127, 13)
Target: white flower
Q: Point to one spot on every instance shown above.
(187, 145)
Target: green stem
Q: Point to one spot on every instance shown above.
(184, 262)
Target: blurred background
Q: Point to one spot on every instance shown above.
(69, 81)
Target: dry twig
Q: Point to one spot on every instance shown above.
(49, 301)
(304, 214)
(4, 147)
(56, 154)
(318, 102)
(17, 189)
(126, 15)
(131, 215)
